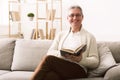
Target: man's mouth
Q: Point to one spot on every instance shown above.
(75, 21)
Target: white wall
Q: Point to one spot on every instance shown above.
(101, 17)
(3, 12)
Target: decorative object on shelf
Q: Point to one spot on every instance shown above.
(51, 14)
(30, 16)
(39, 32)
(14, 15)
(52, 33)
(50, 17)
(21, 1)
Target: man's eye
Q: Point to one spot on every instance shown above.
(72, 15)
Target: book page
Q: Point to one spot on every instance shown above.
(81, 48)
(74, 51)
(78, 51)
(68, 50)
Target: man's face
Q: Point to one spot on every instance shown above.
(75, 17)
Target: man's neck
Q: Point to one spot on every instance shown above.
(76, 29)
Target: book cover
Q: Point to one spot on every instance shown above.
(75, 52)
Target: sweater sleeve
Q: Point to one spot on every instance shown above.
(53, 50)
(90, 57)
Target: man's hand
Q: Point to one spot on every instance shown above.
(73, 58)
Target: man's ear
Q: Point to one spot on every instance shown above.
(82, 16)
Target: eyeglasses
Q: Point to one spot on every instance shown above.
(77, 15)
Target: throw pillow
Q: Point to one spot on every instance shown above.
(113, 73)
(28, 53)
(106, 61)
(6, 53)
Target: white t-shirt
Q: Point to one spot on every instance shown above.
(72, 41)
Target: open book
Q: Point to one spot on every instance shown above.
(75, 52)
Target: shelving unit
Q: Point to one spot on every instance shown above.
(14, 18)
(48, 12)
(48, 18)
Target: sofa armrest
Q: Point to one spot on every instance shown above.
(113, 73)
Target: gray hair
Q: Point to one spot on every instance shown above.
(76, 7)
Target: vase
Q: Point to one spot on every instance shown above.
(31, 18)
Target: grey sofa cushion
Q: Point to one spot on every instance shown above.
(28, 53)
(113, 73)
(106, 61)
(17, 75)
(4, 72)
(6, 53)
(115, 49)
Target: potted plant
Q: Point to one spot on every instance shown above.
(31, 16)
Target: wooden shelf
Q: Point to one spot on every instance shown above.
(50, 13)
(14, 17)
(45, 29)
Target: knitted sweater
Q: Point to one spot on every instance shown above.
(90, 57)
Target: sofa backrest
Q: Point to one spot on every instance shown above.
(26, 54)
(114, 48)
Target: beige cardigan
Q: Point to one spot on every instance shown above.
(90, 57)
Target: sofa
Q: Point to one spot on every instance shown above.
(20, 57)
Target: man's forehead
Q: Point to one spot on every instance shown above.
(74, 11)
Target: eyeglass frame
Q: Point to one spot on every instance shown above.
(77, 15)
